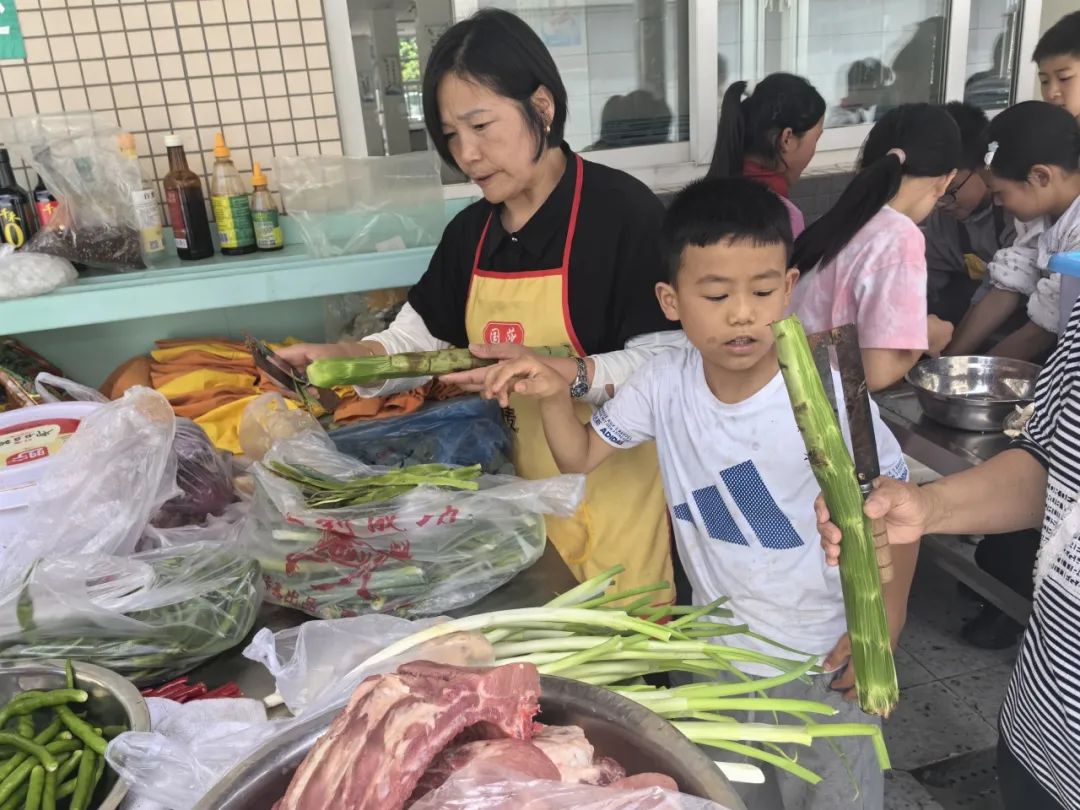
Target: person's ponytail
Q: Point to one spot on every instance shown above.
(728, 155)
(864, 196)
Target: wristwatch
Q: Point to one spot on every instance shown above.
(580, 386)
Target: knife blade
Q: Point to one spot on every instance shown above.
(864, 453)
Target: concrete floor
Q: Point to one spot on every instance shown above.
(951, 694)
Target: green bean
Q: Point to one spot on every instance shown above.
(69, 673)
(29, 747)
(44, 737)
(68, 767)
(109, 732)
(48, 793)
(37, 786)
(64, 746)
(10, 785)
(15, 801)
(29, 702)
(83, 730)
(64, 790)
(25, 727)
(84, 783)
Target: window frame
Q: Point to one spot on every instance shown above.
(671, 165)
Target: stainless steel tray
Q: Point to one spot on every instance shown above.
(639, 739)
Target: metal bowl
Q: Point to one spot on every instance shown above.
(113, 701)
(973, 393)
(639, 739)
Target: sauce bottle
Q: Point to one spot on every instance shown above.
(187, 206)
(229, 199)
(17, 222)
(264, 213)
(44, 202)
(147, 213)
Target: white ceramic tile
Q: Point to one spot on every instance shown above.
(217, 37)
(282, 132)
(225, 87)
(126, 95)
(278, 109)
(314, 31)
(246, 60)
(57, 22)
(322, 81)
(135, 18)
(16, 78)
(232, 112)
(37, 50)
(206, 113)
(109, 18)
(298, 82)
(165, 41)
(289, 33)
(176, 92)
(236, 138)
(140, 42)
(88, 46)
(330, 148)
(293, 58)
(255, 109)
(328, 129)
(146, 67)
(151, 94)
(42, 76)
(197, 64)
(120, 70)
(266, 34)
(301, 106)
(250, 86)
(48, 101)
(172, 66)
(21, 103)
(258, 134)
(114, 44)
(318, 57)
(95, 72)
(161, 15)
(187, 12)
(82, 20)
(308, 149)
(212, 11)
(31, 23)
(270, 59)
(237, 10)
(181, 116)
(131, 120)
(63, 48)
(274, 84)
(324, 104)
(221, 63)
(310, 9)
(202, 89)
(241, 35)
(305, 130)
(69, 74)
(157, 118)
(25, 5)
(191, 39)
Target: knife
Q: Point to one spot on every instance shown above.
(842, 343)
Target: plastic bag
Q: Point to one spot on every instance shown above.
(464, 431)
(318, 663)
(267, 419)
(23, 275)
(77, 155)
(354, 316)
(101, 488)
(423, 553)
(149, 617)
(47, 385)
(223, 528)
(487, 785)
(203, 475)
(346, 205)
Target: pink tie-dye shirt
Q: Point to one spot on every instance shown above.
(878, 282)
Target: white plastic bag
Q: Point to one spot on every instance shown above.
(489, 786)
(267, 419)
(102, 487)
(313, 664)
(45, 383)
(23, 275)
(426, 552)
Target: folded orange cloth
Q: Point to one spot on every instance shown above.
(356, 409)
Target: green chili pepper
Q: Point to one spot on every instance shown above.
(36, 788)
(83, 730)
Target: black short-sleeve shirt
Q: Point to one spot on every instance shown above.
(614, 263)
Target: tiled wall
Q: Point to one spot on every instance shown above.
(257, 70)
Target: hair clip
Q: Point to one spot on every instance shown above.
(991, 150)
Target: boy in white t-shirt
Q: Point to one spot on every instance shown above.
(739, 488)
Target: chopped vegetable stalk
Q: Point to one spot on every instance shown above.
(864, 604)
(335, 371)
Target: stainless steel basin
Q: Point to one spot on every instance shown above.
(617, 727)
(971, 392)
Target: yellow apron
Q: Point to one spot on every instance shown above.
(623, 519)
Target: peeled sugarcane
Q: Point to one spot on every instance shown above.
(864, 604)
(335, 371)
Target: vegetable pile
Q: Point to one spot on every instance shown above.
(581, 636)
(52, 756)
(324, 492)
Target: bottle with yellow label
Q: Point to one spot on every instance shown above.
(264, 213)
(229, 199)
(17, 222)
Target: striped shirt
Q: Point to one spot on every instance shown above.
(1040, 718)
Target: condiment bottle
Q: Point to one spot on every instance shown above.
(17, 223)
(229, 199)
(187, 206)
(143, 200)
(264, 213)
(44, 202)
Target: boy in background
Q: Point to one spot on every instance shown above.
(1057, 55)
(738, 485)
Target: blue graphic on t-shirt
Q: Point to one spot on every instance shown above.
(753, 499)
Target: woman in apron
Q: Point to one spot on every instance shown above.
(560, 251)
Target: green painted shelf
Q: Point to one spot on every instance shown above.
(180, 287)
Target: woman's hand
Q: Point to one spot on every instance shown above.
(475, 380)
(527, 376)
(938, 334)
(301, 355)
(904, 506)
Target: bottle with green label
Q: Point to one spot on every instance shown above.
(17, 222)
(229, 199)
(264, 213)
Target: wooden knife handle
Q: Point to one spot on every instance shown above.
(884, 554)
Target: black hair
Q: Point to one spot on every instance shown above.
(1016, 147)
(868, 74)
(713, 209)
(500, 51)
(1061, 39)
(972, 123)
(930, 141)
(752, 126)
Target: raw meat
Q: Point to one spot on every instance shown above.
(574, 755)
(517, 755)
(376, 750)
(646, 780)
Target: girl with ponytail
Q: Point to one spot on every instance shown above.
(769, 136)
(865, 260)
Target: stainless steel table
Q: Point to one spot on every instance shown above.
(947, 451)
